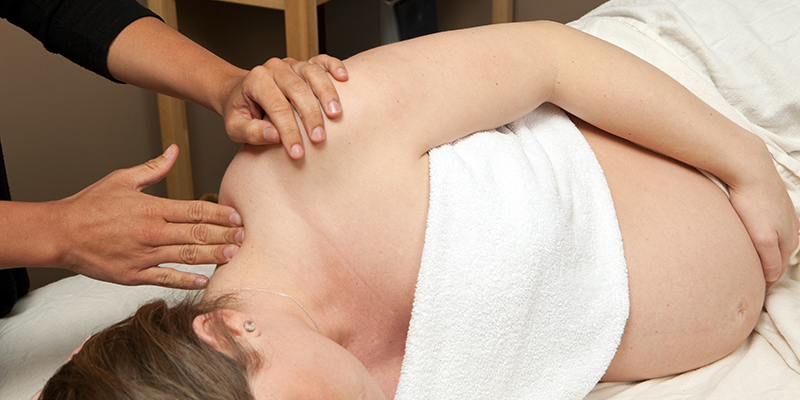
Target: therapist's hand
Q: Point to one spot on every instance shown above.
(112, 232)
(768, 214)
(259, 108)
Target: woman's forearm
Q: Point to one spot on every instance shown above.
(620, 93)
(151, 55)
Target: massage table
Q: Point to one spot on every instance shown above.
(742, 57)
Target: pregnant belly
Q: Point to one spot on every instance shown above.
(695, 279)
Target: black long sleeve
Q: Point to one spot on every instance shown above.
(80, 30)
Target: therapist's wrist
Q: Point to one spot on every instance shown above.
(226, 83)
(56, 238)
(30, 235)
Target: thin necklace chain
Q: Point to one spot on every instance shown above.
(272, 292)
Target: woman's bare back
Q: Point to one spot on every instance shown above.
(696, 286)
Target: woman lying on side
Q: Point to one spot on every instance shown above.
(318, 301)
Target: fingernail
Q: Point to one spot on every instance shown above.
(169, 152)
(236, 219)
(342, 71)
(201, 282)
(270, 135)
(297, 151)
(239, 237)
(230, 251)
(334, 107)
(318, 134)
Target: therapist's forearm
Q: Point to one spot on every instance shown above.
(151, 55)
(28, 233)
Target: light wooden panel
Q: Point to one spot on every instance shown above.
(172, 115)
(502, 11)
(302, 38)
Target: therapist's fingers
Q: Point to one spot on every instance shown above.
(198, 234)
(190, 254)
(244, 119)
(199, 212)
(148, 272)
(316, 73)
(294, 91)
(170, 278)
(262, 94)
(273, 91)
(274, 97)
(333, 65)
(253, 130)
(323, 88)
(151, 172)
(315, 83)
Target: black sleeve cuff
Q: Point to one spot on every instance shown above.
(80, 30)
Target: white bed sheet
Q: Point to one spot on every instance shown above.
(742, 57)
(46, 325)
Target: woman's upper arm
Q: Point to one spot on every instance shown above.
(433, 90)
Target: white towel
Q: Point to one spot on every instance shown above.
(522, 292)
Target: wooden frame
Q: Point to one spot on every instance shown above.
(502, 11)
(172, 115)
(302, 43)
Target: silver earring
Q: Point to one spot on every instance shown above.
(249, 326)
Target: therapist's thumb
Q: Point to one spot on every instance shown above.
(144, 175)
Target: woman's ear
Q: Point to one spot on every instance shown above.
(208, 327)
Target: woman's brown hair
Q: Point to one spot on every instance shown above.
(156, 355)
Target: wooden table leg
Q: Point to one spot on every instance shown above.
(172, 114)
(502, 11)
(302, 41)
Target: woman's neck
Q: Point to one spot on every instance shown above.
(319, 289)
(342, 298)
(267, 269)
